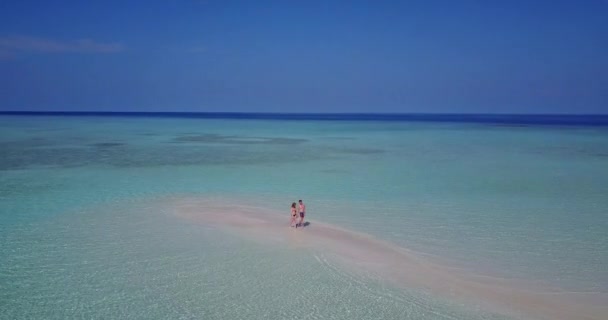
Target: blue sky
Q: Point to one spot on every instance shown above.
(305, 56)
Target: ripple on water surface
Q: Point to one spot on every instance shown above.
(134, 260)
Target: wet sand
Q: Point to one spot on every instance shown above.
(391, 263)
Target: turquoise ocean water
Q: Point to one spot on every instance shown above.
(82, 235)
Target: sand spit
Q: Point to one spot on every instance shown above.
(390, 262)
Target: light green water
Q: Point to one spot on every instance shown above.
(80, 237)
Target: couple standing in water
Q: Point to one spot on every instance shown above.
(294, 214)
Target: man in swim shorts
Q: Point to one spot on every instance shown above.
(302, 212)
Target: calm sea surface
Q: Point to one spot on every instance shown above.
(81, 235)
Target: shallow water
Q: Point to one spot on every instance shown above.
(82, 235)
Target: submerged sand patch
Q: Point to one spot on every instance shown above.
(391, 263)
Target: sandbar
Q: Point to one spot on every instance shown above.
(390, 262)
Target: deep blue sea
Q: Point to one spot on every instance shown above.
(424, 216)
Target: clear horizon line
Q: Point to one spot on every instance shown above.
(6, 112)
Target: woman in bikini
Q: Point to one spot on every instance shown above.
(294, 216)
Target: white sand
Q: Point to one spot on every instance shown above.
(390, 262)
